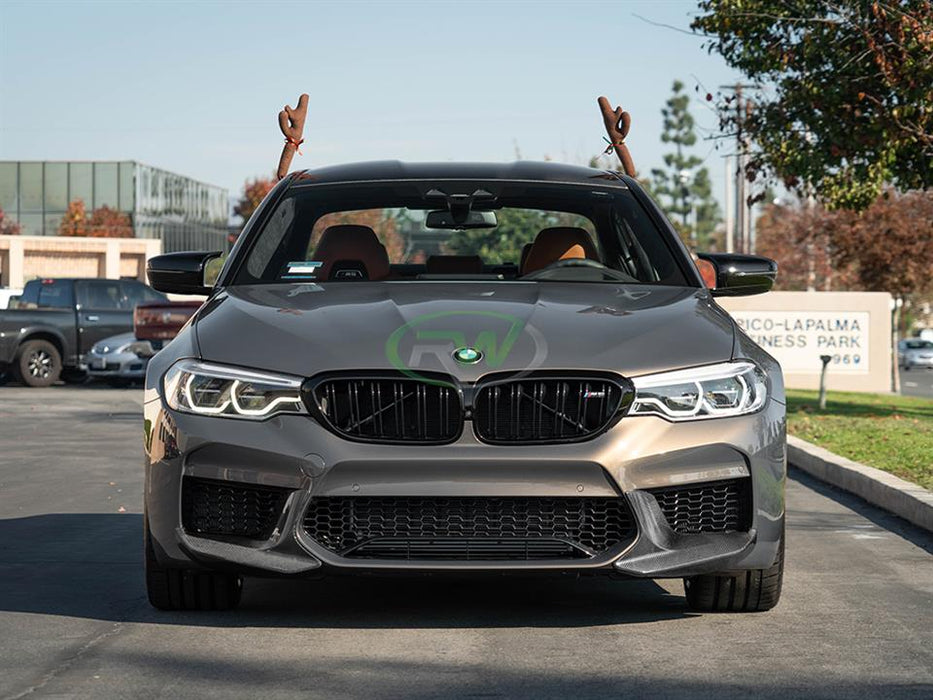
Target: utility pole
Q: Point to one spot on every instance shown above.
(742, 225)
(740, 196)
(730, 207)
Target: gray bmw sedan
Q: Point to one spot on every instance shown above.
(467, 368)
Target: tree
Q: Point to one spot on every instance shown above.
(8, 227)
(254, 191)
(504, 242)
(105, 222)
(680, 188)
(890, 244)
(799, 239)
(845, 97)
(515, 228)
(74, 222)
(888, 247)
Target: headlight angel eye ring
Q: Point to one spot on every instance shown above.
(711, 391)
(209, 389)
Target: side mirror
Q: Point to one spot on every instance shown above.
(180, 273)
(740, 275)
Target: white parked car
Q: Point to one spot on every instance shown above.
(6, 295)
(915, 352)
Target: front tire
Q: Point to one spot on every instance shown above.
(749, 591)
(188, 589)
(38, 363)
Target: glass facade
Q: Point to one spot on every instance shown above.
(184, 213)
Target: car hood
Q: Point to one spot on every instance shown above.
(116, 341)
(305, 329)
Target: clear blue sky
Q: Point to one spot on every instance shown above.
(195, 87)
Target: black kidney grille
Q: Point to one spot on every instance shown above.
(531, 410)
(468, 528)
(717, 506)
(390, 410)
(215, 507)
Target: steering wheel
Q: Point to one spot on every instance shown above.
(557, 265)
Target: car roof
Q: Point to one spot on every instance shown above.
(520, 170)
(84, 279)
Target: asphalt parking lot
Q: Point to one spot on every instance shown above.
(855, 619)
(917, 382)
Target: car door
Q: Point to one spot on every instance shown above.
(103, 311)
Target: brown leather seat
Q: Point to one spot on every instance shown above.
(558, 243)
(454, 265)
(352, 242)
(525, 250)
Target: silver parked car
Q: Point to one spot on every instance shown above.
(914, 353)
(463, 368)
(121, 359)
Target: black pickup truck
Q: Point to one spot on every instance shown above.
(52, 325)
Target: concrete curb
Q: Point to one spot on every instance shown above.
(909, 501)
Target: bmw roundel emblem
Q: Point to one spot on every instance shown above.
(468, 356)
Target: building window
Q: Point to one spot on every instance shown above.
(81, 183)
(30, 188)
(105, 186)
(56, 186)
(8, 188)
(127, 186)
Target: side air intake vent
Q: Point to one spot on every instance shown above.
(717, 506)
(230, 509)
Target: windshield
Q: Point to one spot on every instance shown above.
(422, 231)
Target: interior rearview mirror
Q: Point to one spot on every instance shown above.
(183, 273)
(740, 275)
(443, 219)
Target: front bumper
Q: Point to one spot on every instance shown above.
(116, 365)
(917, 361)
(636, 456)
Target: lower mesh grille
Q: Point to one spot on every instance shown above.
(717, 506)
(214, 507)
(459, 528)
(467, 549)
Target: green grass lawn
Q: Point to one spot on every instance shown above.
(889, 432)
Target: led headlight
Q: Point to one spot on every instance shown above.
(216, 390)
(713, 391)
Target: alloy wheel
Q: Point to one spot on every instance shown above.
(40, 364)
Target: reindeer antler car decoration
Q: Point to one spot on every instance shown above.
(292, 124)
(617, 125)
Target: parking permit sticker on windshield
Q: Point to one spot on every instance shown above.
(301, 270)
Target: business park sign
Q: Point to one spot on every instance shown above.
(852, 328)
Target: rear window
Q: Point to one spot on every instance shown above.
(29, 299)
(45, 294)
(56, 295)
(507, 231)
